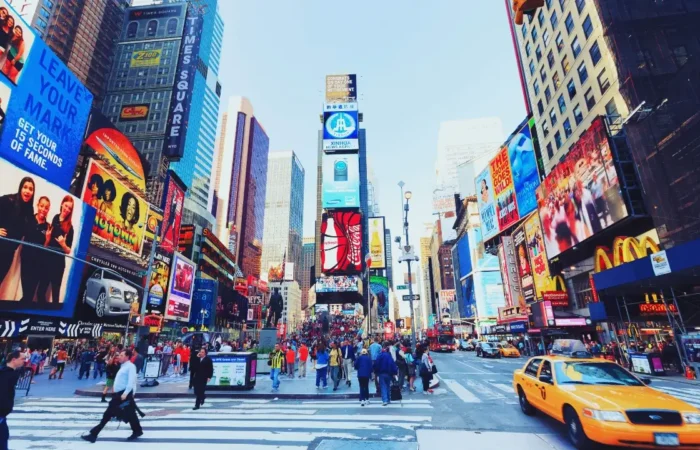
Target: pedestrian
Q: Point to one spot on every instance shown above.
(276, 360)
(335, 362)
(138, 360)
(185, 358)
(321, 365)
(374, 350)
(205, 371)
(348, 352)
(122, 405)
(8, 380)
(426, 371)
(303, 357)
(86, 360)
(194, 365)
(111, 371)
(61, 359)
(363, 364)
(226, 347)
(411, 366)
(99, 363)
(385, 368)
(291, 358)
(402, 365)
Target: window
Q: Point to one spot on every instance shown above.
(557, 140)
(549, 4)
(540, 107)
(565, 65)
(603, 81)
(532, 368)
(528, 49)
(571, 88)
(543, 75)
(550, 151)
(538, 53)
(575, 47)
(172, 26)
(152, 28)
(595, 53)
(680, 55)
(545, 37)
(545, 128)
(590, 98)
(532, 67)
(578, 115)
(582, 73)
(546, 369)
(547, 94)
(557, 81)
(533, 33)
(553, 19)
(587, 27)
(550, 59)
(42, 23)
(611, 110)
(580, 4)
(536, 87)
(567, 128)
(553, 117)
(569, 22)
(560, 42)
(132, 29)
(562, 104)
(524, 30)
(540, 17)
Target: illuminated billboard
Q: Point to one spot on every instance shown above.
(338, 283)
(523, 167)
(377, 248)
(524, 269)
(485, 202)
(341, 125)
(379, 286)
(116, 152)
(341, 243)
(536, 252)
(180, 289)
(173, 204)
(341, 181)
(341, 87)
(503, 190)
(146, 58)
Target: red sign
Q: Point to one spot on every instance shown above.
(281, 329)
(651, 309)
(341, 242)
(152, 320)
(388, 330)
(596, 299)
(173, 203)
(556, 298)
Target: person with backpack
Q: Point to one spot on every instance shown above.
(427, 369)
(321, 365)
(411, 365)
(385, 368)
(363, 365)
(402, 365)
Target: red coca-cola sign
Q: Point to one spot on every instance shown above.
(341, 243)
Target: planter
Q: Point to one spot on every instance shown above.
(262, 368)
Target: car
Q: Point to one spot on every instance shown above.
(465, 345)
(108, 294)
(487, 350)
(602, 403)
(508, 350)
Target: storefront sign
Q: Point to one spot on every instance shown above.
(651, 309)
(512, 313)
(518, 327)
(134, 112)
(572, 322)
(556, 298)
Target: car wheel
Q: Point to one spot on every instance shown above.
(525, 405)
(101, 304)
(576, 434)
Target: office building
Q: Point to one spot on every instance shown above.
(389, 258)
(240, 185)
(284, 212)
(308, 254)
(291, 314)
(372, 193)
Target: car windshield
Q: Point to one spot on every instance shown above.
(447, 340)
(110, 276)
(573, 372)
(486, 346)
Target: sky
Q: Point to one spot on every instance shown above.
(418, 63)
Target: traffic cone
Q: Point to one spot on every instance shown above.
(689, 373)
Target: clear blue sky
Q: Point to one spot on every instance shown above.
(418, 63)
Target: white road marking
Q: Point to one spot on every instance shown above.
(20, 444)
(504, 387)
(474, 368)
(461, 392)
(483, 390)
(281, 415)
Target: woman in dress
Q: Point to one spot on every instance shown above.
(33, 257)
(7, 26)
(16, 210)
(59, 236)
(15, 55)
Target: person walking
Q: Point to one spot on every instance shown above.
(194, 365)
(61, 359)
(363, 364)
(111, 371)
(335, 361)
(291, 358)
(100, 361)
(8, 380)
(402, 365)
(426, 371)
(321, 365)
(86, 360)
(411, 366)
(348, 352)
(185, 358)
(205, 371)
(276, 361)
(385, 368)
(374, 350)
(122, 404)
(303, 358)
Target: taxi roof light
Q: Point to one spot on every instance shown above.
(570, 347)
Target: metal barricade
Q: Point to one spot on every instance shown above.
(24, 382)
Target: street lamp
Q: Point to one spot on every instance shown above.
(408, 257)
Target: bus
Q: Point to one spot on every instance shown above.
(441, 338)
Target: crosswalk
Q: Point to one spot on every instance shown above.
(688, 395)
(481, 391)
(58, 423)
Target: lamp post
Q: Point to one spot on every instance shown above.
(408, 257)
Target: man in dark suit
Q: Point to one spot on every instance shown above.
(205, 371)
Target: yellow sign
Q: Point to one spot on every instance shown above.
(145, 58)
(625, 249)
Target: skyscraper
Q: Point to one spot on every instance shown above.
(284, 212)
(308, 252)
(241, 183)
(389, 258)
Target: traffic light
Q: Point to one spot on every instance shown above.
(522, 7)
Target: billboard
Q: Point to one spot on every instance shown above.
(35, 211)
(204, 298)
(154, 13)
(481, 259)
(342, 283)
(485, 201)
(341, 242)
(537, 255)
(45, 106)
(377, 249)
(158, 284)
(380, 290)
(523, 165)
(154, 219)
(341, 126)
(185, 244)
(503, 190)
(447, 223)
(524, 269)
(275, 272)
(145, 58)
(121, 215)
(180, 289)
(581, 195)
(341, 180)
(289, 271)
(341, 87)
(173, 204)
(511, 281)
(25, 8)
(134, 112)
(179, 115)
(117, 153)
(488, 292)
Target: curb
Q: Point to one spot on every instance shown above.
(676, 380)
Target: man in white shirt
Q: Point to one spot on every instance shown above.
(122, 405)
(226, 348)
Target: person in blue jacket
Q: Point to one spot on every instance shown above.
(321, 365)
(348, 353)
(385, 368)
(363, 365)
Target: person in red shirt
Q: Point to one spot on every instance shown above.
(291, 356)
(185, 358)
(303, 357)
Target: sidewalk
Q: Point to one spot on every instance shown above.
(676, 378)
(66, 387)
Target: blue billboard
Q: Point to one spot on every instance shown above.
(204, 302)
(341, 180)
(488, 291)
(523, 165)
(341, 126)
(45, 107)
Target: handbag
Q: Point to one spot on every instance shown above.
(434, 371)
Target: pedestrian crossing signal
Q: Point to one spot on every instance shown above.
(522, 7)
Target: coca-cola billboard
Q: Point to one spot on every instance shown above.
(341, 242)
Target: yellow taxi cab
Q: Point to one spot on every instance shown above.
(601, 402)
(508, 350)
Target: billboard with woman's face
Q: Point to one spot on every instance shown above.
(180, 291)
(46, 227)
(121, 215)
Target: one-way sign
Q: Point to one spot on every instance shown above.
(407, 298)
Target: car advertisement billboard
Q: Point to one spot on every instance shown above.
(524, 269)
(341, 180)
(380, 290)
(503, 190)
(180, 289)
(121, 215)
(485, 202)
(158, 284)
(116, 152)
(536, 252)
(341, 126)
(45, 106)
(377, 249)
(341, 242)
(488, 292)
(581, 195)
(341, 87)
(34, 211)
(173, 204)
(523, 165)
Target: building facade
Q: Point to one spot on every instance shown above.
(291, 314)
(308, 256)
(284, 212)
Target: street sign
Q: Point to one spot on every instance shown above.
(407, 298)
(402, 287)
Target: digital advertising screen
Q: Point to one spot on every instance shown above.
(341, 180)
(538, 257)
(45, 106)
(523, 165)
(341, 126)
(341, 242)
(121, 214)
(380, 289)
(522, 258)
(229, 370)
(180, 289)
(488, 293)
(340, 283)
(377, 249)
(158, 284)
(485, 202)
(513, 279)
(503, 190)
(173, 204)
(42, 215)
(581, 195)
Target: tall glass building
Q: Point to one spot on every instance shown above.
(308, 256)
(284, 212)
